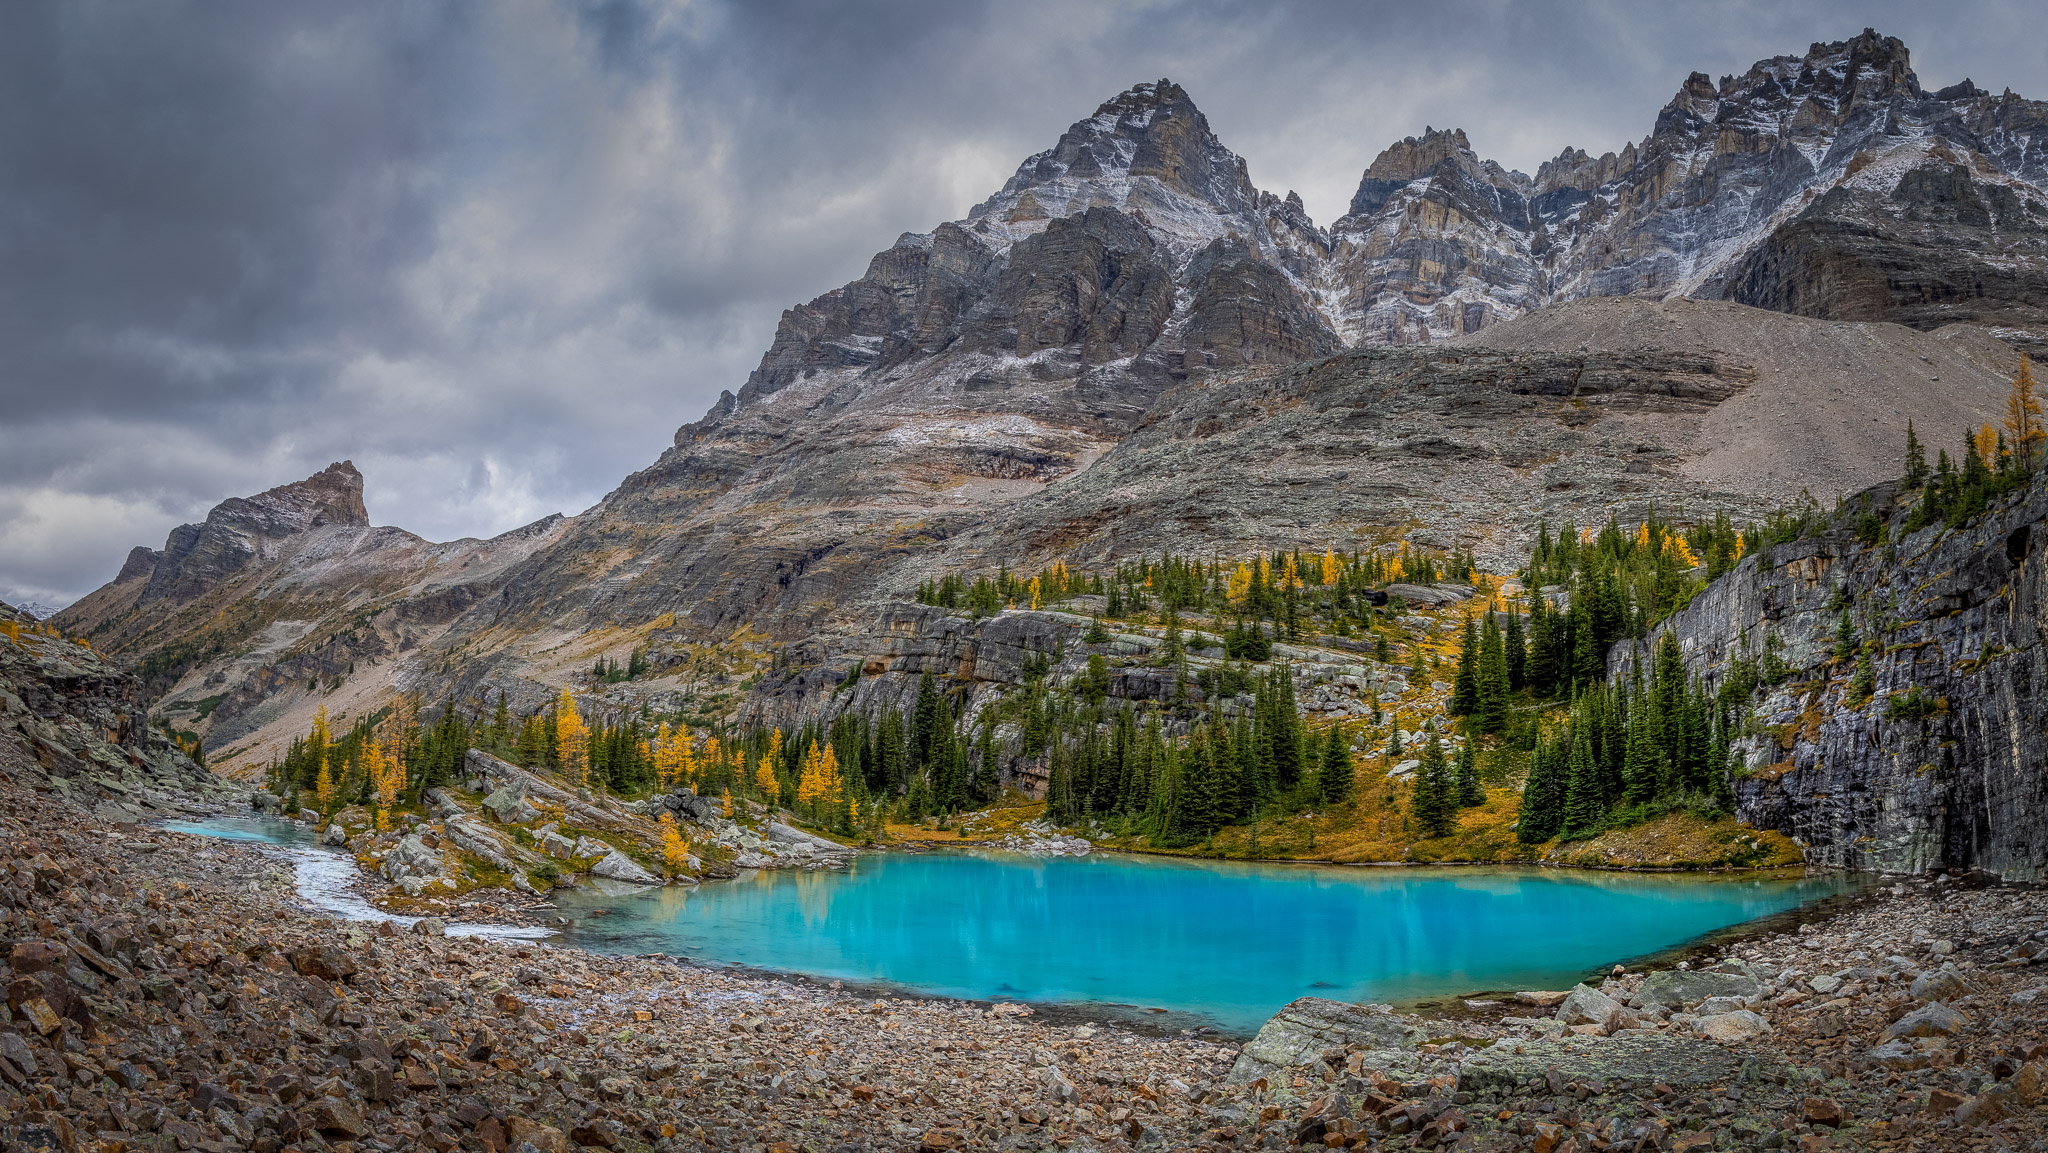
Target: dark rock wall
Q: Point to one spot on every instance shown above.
(1959, 782)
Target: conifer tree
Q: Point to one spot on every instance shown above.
(1916, 459)
(1465, 685)
(1543, 796)
(1431, 804)
(1469, 792)
(1583, 805)
(1491, 682)
(1517, 653)
(1336, 775)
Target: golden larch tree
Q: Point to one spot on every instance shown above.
(2024, 434)
(572, 741)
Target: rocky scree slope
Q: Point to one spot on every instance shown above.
(1944, 764)
(169, 992)
(75, 728)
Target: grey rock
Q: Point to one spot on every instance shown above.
(1302, 1029)
(1731, 1026)
(1930, 1020)
(1679, 989)
(1638, 1056)
(616, 866)
(1585, 1005)
(1938, 985)
(430, 927)
(1898, 1056)
(508, 804)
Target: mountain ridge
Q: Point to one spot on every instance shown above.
(979, 375)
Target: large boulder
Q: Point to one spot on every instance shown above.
(619, 867)
(508, 805)
(1727, 1028)
(777, 831)
(1302, 1029)
(1642, 1057)
(1931, 1020)
(411, 858)
(1679, 988)
(1939, 984)
(1585, 1005)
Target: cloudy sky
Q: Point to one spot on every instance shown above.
(495, 252)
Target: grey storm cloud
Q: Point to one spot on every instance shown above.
(495, 252)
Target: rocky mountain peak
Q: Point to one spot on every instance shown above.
(196, 557)
(1148, 130)
(1418, 157)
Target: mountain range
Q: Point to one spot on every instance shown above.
(1131, 347)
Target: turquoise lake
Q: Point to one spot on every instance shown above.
(1218, 943)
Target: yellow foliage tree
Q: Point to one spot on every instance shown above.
(674, 849)
(1238, 585)
(1332, 568)
(323, 788)
(819, 782)
(2024, 433)
(572, 738)
(764, 773)
(1987, 445)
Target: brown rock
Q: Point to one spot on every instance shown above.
(39, 1015)
(593, 1135)
(336, 1118)
(508, 1004)
(326, 962)
(545, 1138)
(1548, 1136)
(490, 1134)
(1821, 1111)
(1943, 1101)
(35, 956)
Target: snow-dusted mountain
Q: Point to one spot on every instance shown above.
(950, 407)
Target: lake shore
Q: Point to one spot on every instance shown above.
(208, 1010)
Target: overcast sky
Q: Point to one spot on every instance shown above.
(496, 252)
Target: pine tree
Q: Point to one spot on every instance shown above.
(1336, 775)
(1543, 796)
(1583, 803)
(1470, 793)
(1916, 458)
(1432, 804)
(1491, 689)
(1517, 653)
(1465, 685)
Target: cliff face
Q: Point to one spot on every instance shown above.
(1945, 765)
(75, 726)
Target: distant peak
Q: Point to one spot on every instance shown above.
(1151, 94)
(334, 495)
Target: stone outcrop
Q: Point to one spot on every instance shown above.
(78, 727)
(1299, 1033)
(1944, 765)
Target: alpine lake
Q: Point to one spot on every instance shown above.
(1199, 944)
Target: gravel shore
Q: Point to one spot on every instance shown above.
(166, 993)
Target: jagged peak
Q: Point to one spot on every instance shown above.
(332, 496)
(1417, 157)
(1151, 130)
